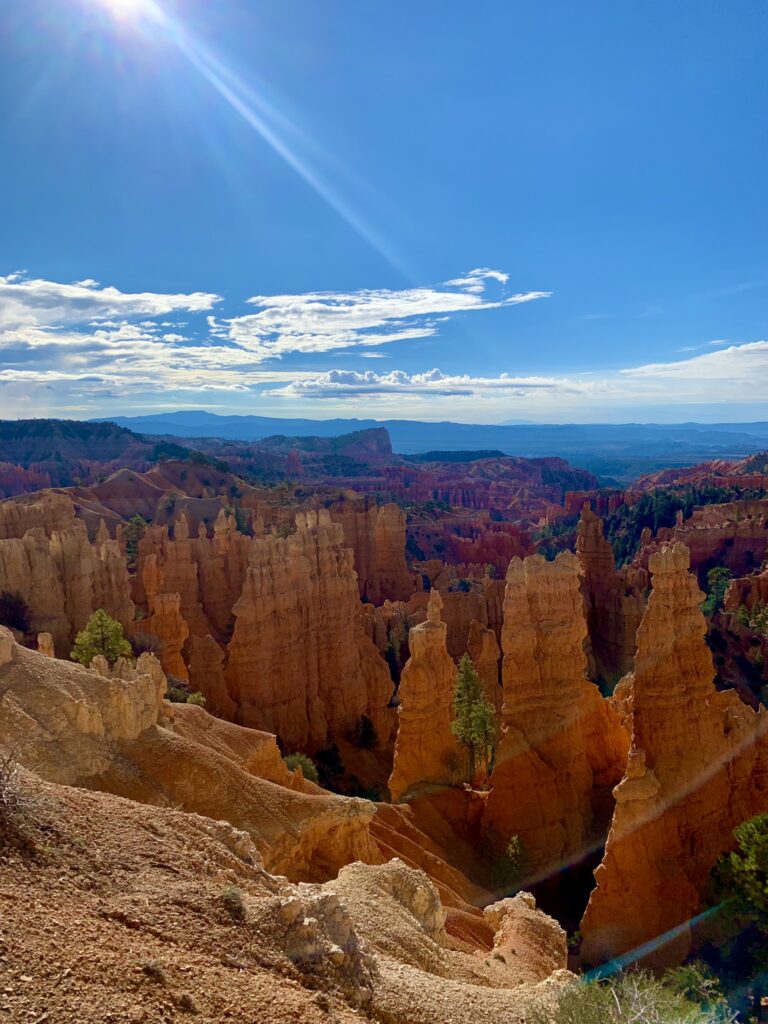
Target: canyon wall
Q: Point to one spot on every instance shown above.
(299, 661)
(698, 766)
(563, 746)
(63, 578)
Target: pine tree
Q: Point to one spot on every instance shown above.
(473, 716)
(102, 635)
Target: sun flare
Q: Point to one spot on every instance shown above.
(129, 10)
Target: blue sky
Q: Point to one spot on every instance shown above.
(538, 211)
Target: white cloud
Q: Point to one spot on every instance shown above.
(350, 384)
(28, 302)
(82, 347)
(325, 321)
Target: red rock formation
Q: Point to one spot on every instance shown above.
(614, 607)
(300, 664)
(563, 746)
(206, 675)
(483, 649)
(376, 534)
(165, 622)
(426, 751)
(698, 766)
(64, 578)
(49, 510)
(734, 534)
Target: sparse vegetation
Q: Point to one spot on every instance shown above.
(509, 870)
(755, 618)
(307, 765)
(232, 899)
(102, 635)
(134, 530)
(634, 997)
(146, 643)
(659, 507)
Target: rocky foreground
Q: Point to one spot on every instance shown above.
(146, 906)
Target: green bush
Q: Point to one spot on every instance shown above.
(307, 765)
(629, 998)
(232, 899)
(102, 635)
(196, 698)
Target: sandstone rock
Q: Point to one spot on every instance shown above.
(518, 925)
(563, 746)
(165, 621)
(300, 663)
(426, 751)
(483, 649)
(45, 645)
(376, 534)
(697, 768)
(206, 676)
(64, 578)
(614, 607)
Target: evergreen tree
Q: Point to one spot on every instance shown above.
(740, 886)
(473, 716)
(102, 635)
(718, 579)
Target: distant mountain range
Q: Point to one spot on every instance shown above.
(618, 451)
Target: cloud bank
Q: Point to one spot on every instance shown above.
(83, 348)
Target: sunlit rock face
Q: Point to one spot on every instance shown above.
(698, 766)
(426, 751)
(376, 534)
(63, 577)
(300, 663)
(563, 746)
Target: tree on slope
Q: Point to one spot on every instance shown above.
(102, 635)
(740, 885)
(473, 716)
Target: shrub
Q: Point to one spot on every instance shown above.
(14, 612)
(631, 997)
(146, 643)
(509, 869)
(196, 698)
(308, 768)
(232, 899)
(102, 635)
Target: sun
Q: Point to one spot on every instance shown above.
(129, 10)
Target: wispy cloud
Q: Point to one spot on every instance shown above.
(325, 321)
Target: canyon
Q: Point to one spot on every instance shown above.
(322, 615)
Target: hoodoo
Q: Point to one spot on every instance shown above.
(563, 745)
(426, 751)
(698, 767)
